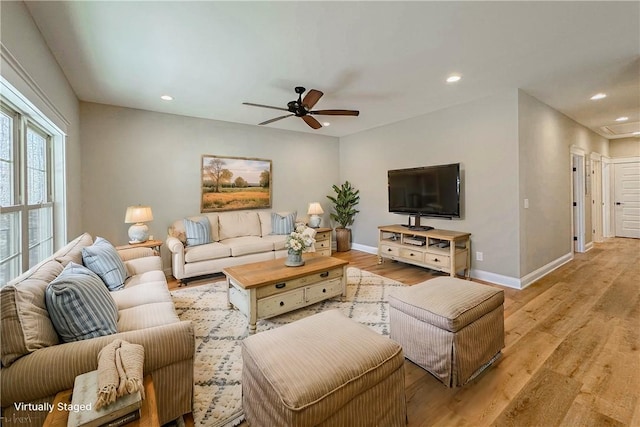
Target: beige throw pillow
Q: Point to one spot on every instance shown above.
(26, 325)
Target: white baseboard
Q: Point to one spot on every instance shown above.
(499, 279)
(523, 282)
(495, 278)
(544, 270)
(364, 248)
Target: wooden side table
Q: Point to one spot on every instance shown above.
(153, 244)
(148, 411)
(323, 241)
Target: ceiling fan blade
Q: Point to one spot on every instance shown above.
(311, 98)
(264, 106)
(276, 119)
(336, 112)
(312, 122)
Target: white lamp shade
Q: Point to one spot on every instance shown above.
(315, 210)
(138, 214)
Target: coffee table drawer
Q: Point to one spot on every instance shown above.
(281, 303)
(265, 291)
(322, 291)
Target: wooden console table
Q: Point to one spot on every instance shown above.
(441, 250)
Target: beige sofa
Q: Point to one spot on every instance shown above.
(36, 364)
(237, 237)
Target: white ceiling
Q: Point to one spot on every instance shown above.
(387, 59)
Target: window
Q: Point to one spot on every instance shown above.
(26, 193)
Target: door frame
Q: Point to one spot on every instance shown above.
(578, 190)
(596, 197)
(607, 197)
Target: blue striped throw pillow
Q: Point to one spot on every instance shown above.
(283, 224)
(80, 306)
(103, 259)
(198, 232)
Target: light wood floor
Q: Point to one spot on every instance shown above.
(572, 354)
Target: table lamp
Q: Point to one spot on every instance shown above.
(315, 210)
(138, 215)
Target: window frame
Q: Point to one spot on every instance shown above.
(22, 124)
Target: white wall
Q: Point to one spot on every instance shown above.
(29, 66)
(624, 147)
(546, 137)
(140, 157)
(481, 135)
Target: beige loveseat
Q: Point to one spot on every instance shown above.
(36, 364)
(237, 237)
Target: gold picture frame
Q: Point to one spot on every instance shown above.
(234, 183)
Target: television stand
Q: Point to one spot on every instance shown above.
(419, 227)
(444, 250)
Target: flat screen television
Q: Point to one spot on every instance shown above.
(431, 191)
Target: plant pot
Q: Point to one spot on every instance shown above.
(343, 239)
(294, 259)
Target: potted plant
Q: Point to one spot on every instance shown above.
(344, 211)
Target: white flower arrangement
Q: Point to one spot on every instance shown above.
(298, 241)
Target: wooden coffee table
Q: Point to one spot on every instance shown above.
(266, 289)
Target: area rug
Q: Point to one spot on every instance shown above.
(219, 333)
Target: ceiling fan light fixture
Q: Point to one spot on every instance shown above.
(598, 96)
(453, 78)
(302, 107)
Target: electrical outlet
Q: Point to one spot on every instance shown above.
(479, 256)
(526, 203)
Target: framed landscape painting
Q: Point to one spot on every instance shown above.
(233, 183)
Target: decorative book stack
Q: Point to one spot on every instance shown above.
(83, 413)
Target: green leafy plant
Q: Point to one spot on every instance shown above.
(344, 203)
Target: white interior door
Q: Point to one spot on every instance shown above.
(627, 199)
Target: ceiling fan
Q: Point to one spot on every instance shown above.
(302, 108)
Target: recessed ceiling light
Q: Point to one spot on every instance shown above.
(166, 98)
(454, 78)
(598, 96)
(325, 124)
(622, 119)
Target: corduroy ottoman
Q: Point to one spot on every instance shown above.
(451, 327)
(323, 370)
